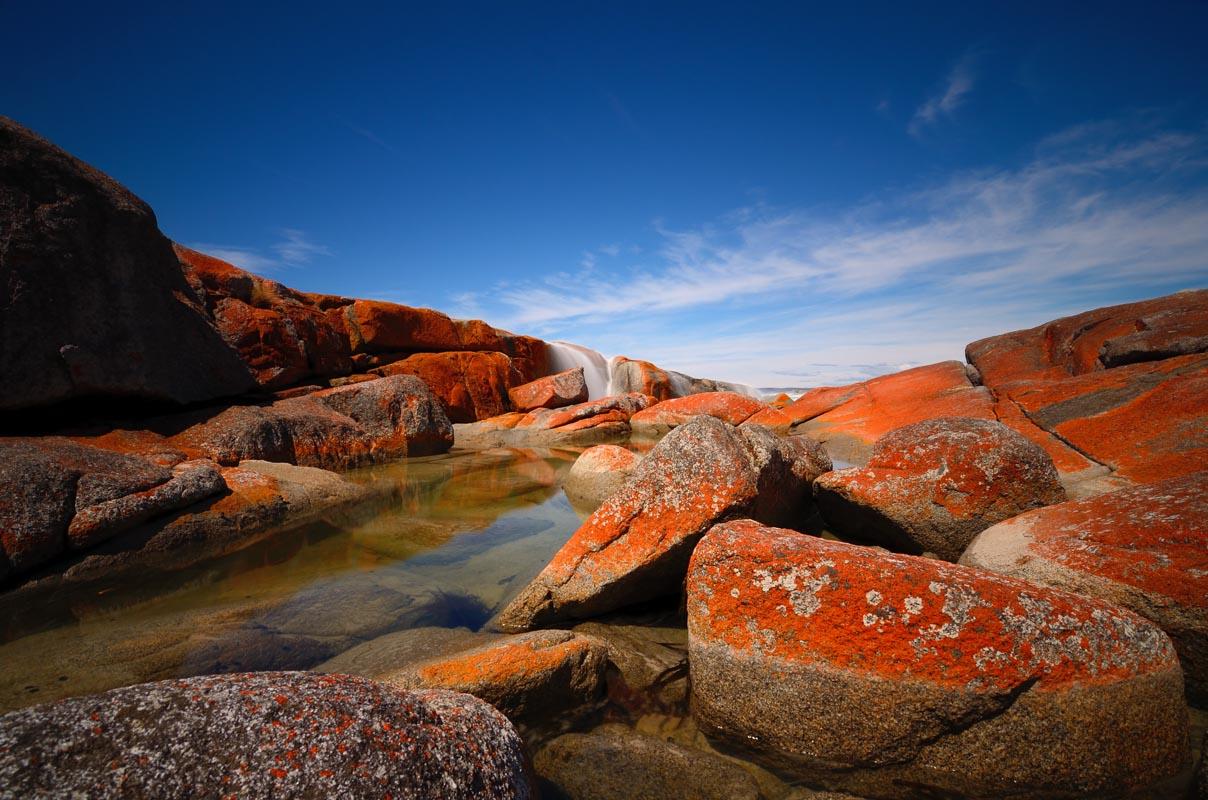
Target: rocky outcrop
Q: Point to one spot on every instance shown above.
(606, 765)
(598, 473)
(1150, 330)
(633, 375)
(894, 676)
(636, 545)
(62, 496)
(341, 427)
(1120, 388)
(849, 419)
(1143, 548)
(932, 486)
(553, 391)
(532, 678)
(92, 300)
(603, 420)
(663, 416)
(470, 386)
(283, 734)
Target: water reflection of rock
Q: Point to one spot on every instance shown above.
(447, 542)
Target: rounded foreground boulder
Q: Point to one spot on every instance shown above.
(1144, 548)
(262, 735)
(932, 486)
(894, 676)
(598, 473)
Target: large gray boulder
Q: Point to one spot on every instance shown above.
(93, 301)
(262, 735)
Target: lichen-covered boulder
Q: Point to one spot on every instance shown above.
(598, 473)
(553, 391)
(60, 496)
(934, 485)
(470, 385)
(602, 420)
(262, 735)
(661, 417)
(896, 676)
(1144, 548)
(635, 546)
(349, 425)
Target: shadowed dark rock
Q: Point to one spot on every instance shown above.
(93, 301)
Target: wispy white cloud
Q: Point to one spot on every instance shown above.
(945, 102)
(909, 277)
(294, 248)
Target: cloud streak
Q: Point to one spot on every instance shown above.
(294, 248)
(944, 104)
(1097, 214)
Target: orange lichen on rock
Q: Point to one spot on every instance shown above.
(729, 407)
(633, 375)
(801, 598)
(1145, 420)
(1144, 548)
(553, 391)
(634, 546)
(470, 385)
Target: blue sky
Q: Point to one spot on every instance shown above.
(787, 194)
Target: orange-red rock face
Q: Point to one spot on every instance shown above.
(871, 669)
(634, 546)
(1150, 330)
(632, 375)
(934, 485)
(726, 406)
(1148, 421)
(849, 419)
(1144, 548)
(471, 386)
(553, 391)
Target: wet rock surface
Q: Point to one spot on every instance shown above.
(263, 735)
(598, 473)
(934, 485)
(636, 545)
(1143, 548)
(895, 676)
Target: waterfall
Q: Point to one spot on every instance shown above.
(564, 356)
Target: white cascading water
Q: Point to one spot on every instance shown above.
(597, 370)
(564, 356)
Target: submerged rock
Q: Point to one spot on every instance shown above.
(896, 676)
(727, 406)
(1144, 548)
(262, 735)
(636, 545)
(553, 391)
(598, 473)
(933, 486)
(610, 764)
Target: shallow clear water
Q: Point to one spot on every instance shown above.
(456, 537)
